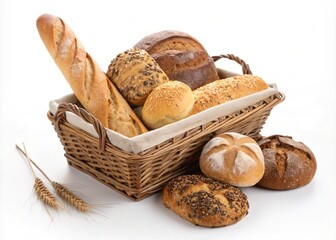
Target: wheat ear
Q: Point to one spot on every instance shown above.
(41, 190)
(63, 191)
(70, 197)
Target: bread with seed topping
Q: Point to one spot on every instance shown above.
(204, 201)
(224, 90)
(135, 73)
(167, 103)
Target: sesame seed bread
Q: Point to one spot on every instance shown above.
(135, 73)
(204, 201)
(181, 57)
(91, 86)
(288, 164)
(224, 90)
(233, 158)
(167, 103)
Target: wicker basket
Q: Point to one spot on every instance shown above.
(142, 174)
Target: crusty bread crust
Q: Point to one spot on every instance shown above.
(204, 201)
(89, 83)
(233, 158)
(288, 164)
(224, 90)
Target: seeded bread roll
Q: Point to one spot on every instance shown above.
(204, 201)
(288, 164)
(224, 90)
(167, 103)
(135, 73)
(181, 57)
(233, 158)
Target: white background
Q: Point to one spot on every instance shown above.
(290, 43)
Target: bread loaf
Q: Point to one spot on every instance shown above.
(167, 103)
(181, 57)
(204, 201)
(233, 158)
(135, 73)
(224, 90)
(89, 83)
(288, 164)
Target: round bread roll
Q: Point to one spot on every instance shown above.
(233, 158)
(135, 73)
(288, 164)
(204, 201)
(181, 57)
(167, 103)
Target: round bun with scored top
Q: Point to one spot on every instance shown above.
(233, 158)
(204, 201)
(167, 103)
(288, 164)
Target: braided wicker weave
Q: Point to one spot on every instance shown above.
(140, 175)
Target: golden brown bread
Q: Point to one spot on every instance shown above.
(181, 57)
(233, 158)
(168, 40)
(224, 90)
(167, 103)
(288, 164)
(135, 73)
(204, 201)
(89, 83)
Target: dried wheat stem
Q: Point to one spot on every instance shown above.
(70, 197)
(41, 190)
(61, 190)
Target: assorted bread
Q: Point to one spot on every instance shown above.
(135, 73)
(233, 158)
(222, 91)
(166, 77)
(91, 86)
(204, 201)
(288, 164)
(181, 57)
(167, 103)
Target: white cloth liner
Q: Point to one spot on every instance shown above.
(152, 138)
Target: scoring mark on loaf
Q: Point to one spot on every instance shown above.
(243, 163)
(217, 160)
(255, 150)
(214, 142)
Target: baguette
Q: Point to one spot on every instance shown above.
(224, 90)
(90, 84)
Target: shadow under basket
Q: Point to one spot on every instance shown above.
(142, 174)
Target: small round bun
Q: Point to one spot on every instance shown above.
(288, 164)
(233, 158)
(167, 103)
(204, 201)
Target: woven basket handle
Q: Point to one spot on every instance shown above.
(245, 67)
(87, 117)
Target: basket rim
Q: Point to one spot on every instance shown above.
(143, 142)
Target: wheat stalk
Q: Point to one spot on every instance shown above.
(44, 194)
(70, 197)
(61, 190)
(41, 190)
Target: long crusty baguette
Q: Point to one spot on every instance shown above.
(90, 84)
(224, 90)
